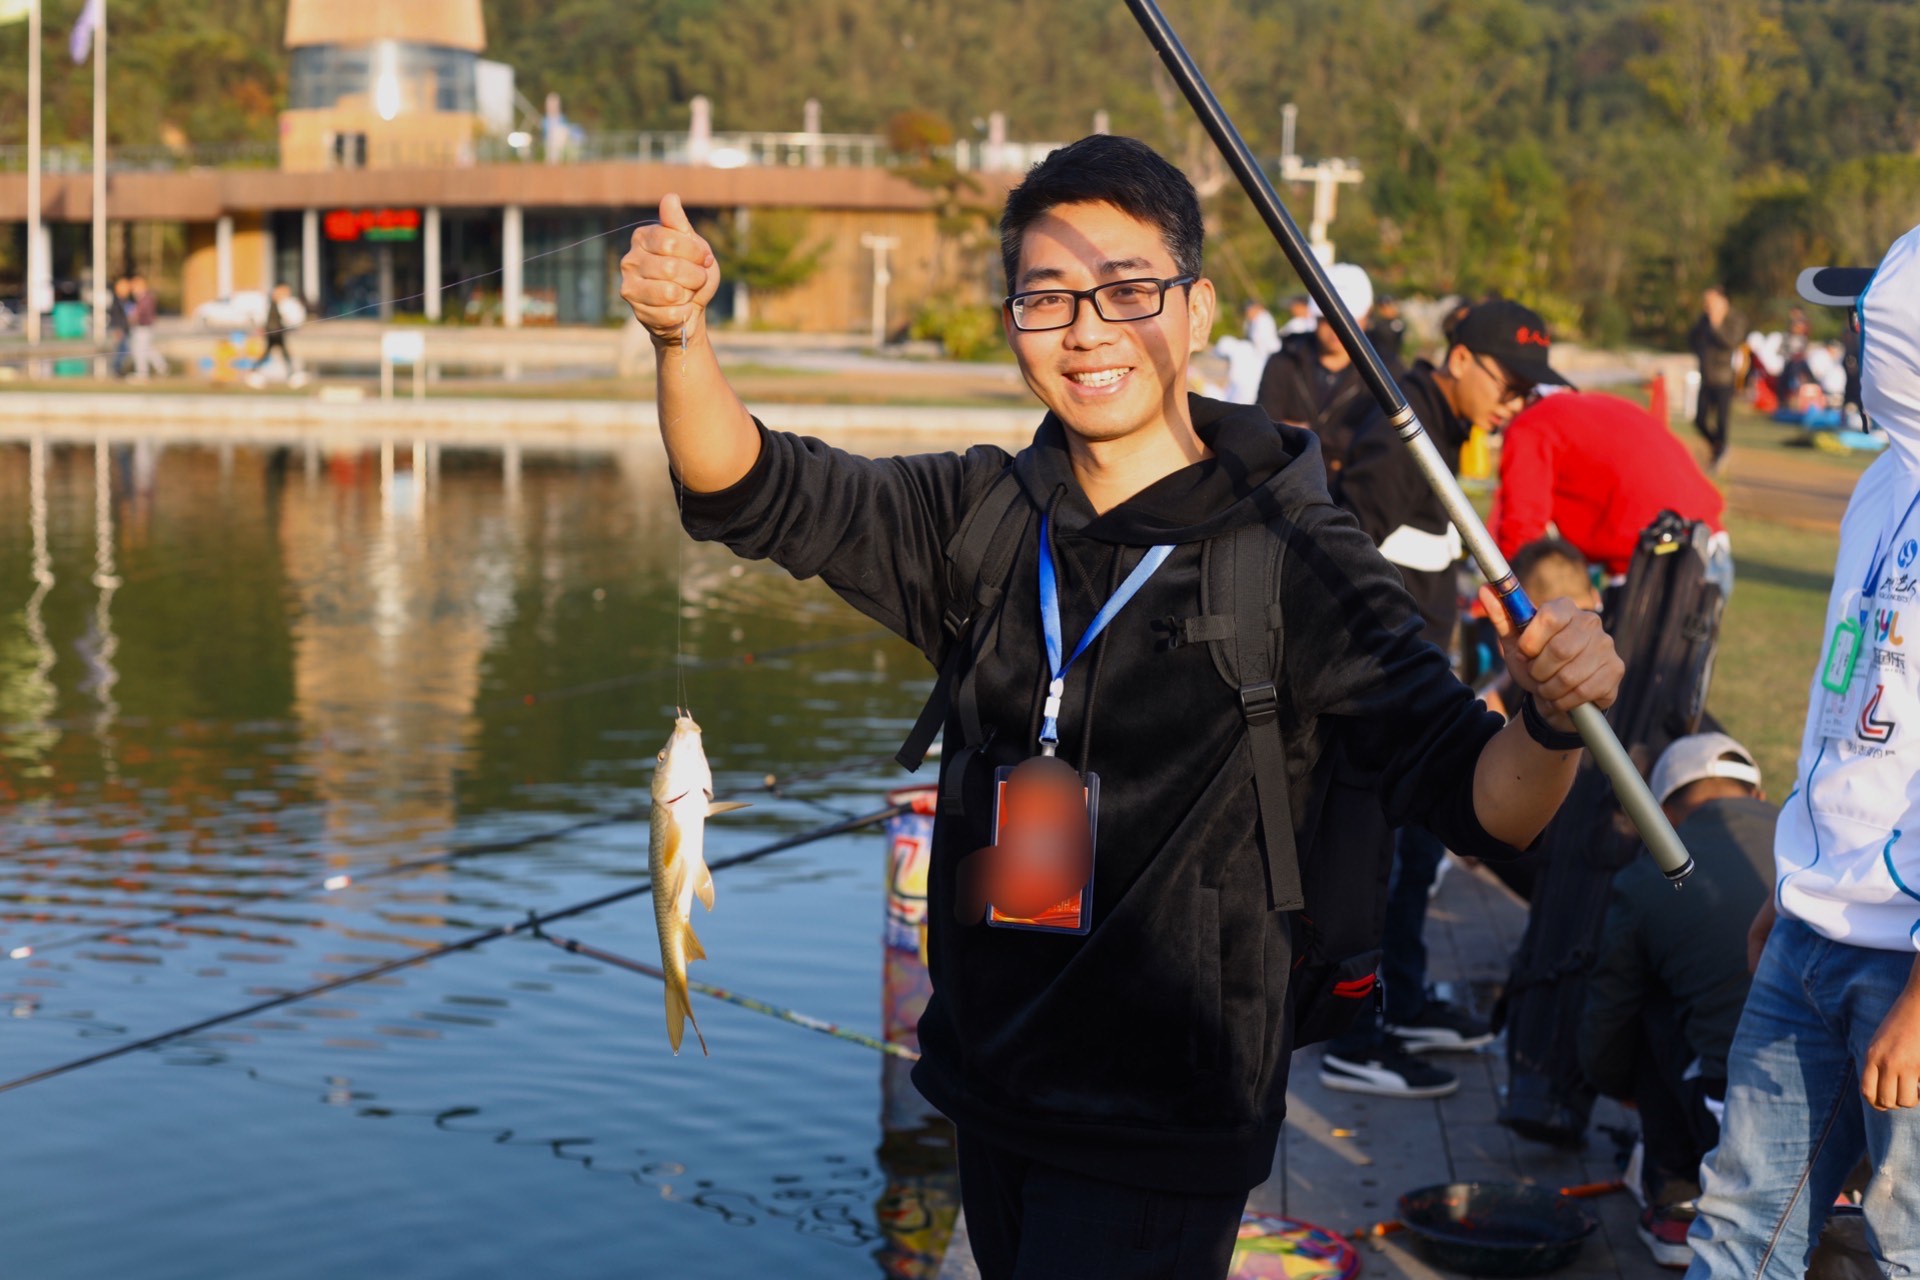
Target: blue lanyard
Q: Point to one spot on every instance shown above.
(1050, 624)
(1871, 587)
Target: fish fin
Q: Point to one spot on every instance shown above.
(694, 950)
(703, 887)
(725, 806)
(679, 1013)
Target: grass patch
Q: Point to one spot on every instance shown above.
(1770, 641)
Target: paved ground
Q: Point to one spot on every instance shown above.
(1348, 1182)
(1344, 1159)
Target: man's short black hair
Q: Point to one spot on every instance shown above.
(1542, 550)
(1107, 169)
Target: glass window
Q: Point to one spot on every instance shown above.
(431, 76)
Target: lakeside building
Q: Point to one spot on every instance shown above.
(407, 162)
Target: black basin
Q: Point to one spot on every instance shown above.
(1496, 1228)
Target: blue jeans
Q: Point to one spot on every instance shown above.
(1796, 1124)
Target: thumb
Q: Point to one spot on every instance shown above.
(673, 215)
(1496, 613)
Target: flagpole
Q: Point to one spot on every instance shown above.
(33, 172)
(102, 287)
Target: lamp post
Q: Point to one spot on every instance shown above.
(34, 264)
(882, 277)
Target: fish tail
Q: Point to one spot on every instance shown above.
(680, 1012)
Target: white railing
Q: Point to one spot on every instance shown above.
(720, 151)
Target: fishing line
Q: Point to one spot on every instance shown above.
(808, 1021)
(30, 356)
(747, 659)
(484, 275)
(531, 923)
(771, 783)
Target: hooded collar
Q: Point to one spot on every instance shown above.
(1253, 465)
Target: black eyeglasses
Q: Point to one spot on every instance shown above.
(1117, 302)
(1520, 392)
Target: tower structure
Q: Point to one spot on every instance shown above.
(375, 84)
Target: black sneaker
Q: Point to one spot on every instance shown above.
(1442, 1028)
(1386, 1071)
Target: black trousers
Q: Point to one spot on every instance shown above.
(1032, 1221)
(1674, 1121)
(1711, 417)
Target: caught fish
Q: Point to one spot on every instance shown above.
(677, 857)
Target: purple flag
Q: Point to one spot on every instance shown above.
(80, 43)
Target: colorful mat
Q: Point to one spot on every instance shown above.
(1275, 1248)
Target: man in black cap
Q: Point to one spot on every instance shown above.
(1496, 358)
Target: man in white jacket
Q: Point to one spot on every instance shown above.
(1825, 1066)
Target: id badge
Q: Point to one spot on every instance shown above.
(1071, 914)
(1843, 676)
(1843, 655)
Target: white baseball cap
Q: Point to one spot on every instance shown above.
(1354, 288)
(1698, 756)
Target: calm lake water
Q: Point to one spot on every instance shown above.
(227, 675)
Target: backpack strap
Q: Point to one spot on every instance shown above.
(979, 558)
(1241, 577)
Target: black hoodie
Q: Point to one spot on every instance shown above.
(1295, 387)
(1153, 1050)
(1383, 488)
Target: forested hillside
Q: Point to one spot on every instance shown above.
(1602, 158)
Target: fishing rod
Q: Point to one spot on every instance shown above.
(771, 783)
(530, 924)
(1635, 798)
(721, 993)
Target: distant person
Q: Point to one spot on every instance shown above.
(1494, 361)
(1311, 381)
(120, 324)
(1388, 332)
(1497, 357)
(1825, 1065)
(284, 314)
(146, 310)
(1599, 469)
(1851, 412)
(1299, 316)
(1257, 326)
(1247, 355)
(1666, 992)
(1716, 340)
(1548, 569)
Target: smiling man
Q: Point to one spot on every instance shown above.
(1116, 1066)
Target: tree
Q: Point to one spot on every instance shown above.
(767, 252)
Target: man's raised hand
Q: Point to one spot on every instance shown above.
(669, 276)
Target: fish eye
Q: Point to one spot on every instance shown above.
(662, 757)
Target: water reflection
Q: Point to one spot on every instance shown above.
(27, 695)
(230, 676)
(395, 600)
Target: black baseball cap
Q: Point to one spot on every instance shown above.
(1514, 335)
(1834, 286)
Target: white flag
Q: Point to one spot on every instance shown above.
(80, 43)
(14, 11)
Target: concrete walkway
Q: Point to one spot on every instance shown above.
(1345, 1159)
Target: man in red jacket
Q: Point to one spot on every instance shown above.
(1600, 468)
